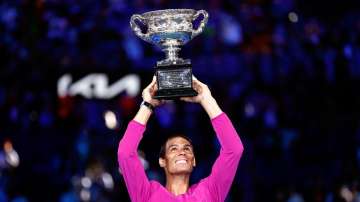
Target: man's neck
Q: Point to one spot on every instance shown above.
(177, 184)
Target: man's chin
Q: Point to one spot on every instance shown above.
(184, 170)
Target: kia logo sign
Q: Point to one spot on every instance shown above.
(97, 86)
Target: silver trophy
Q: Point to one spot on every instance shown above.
(170, 29)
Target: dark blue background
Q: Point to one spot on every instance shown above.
(285, 71)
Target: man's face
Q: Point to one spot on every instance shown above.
(179, 157)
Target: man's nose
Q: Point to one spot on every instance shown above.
(182, 152)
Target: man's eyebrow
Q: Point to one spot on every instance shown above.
(176, 145)
(172, 145)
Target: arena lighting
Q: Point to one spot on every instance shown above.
(85, 195)
(97, 86)
(346, 193)
(249, 110)
(11, 156)
(144, 162)
(108, 181)
(293, 17)
(110, 119)
(86, 182)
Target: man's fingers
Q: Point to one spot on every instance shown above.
(198, 87)
(201, 83)
(196, 81)
(153, 82)
(155, 87)
(149, 86)
(187, 99)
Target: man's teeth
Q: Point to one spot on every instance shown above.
(180, 161)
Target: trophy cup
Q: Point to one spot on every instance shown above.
(170, 29)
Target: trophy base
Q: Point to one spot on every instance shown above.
(170, 94)
(174, 80)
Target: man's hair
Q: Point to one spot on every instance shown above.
(163, 146)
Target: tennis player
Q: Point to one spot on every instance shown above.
(177, 155)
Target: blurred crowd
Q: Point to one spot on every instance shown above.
(286, 72)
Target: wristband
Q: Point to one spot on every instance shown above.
(148, 105)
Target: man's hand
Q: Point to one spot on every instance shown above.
(149, 92)
(144, 113)
(205, 98)
(202, 90)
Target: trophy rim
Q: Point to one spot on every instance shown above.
(173, 11)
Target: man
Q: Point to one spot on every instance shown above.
(177, 156)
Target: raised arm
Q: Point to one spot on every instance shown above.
(224, 169)
(205, 98)
(131, 168)
(145, 112)
(225, 166)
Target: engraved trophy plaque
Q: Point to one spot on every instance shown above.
(170, 29)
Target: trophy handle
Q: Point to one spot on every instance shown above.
(135, 27)
(202, 23)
